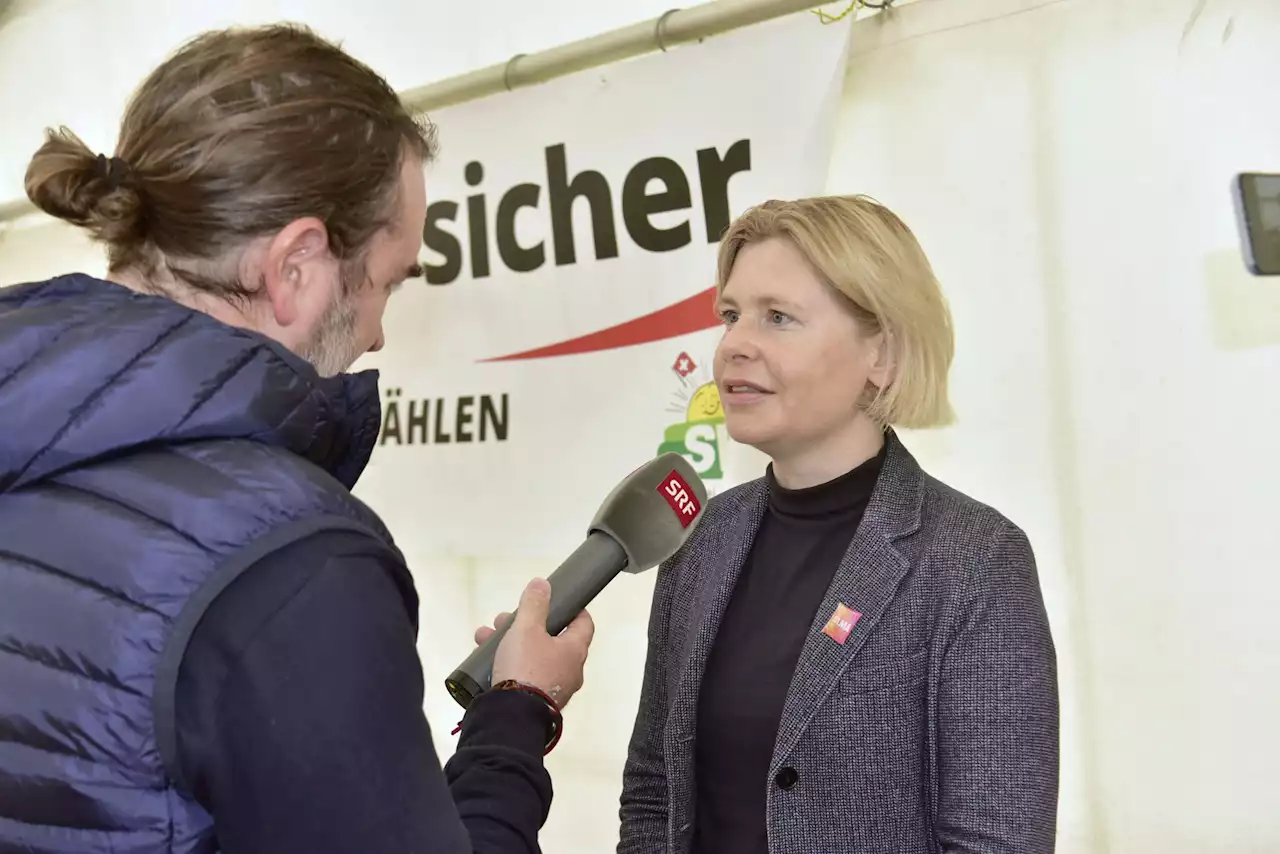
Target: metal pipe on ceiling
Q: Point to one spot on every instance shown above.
(676, 27)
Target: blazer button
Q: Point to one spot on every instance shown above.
(787, 778)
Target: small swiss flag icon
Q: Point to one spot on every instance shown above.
(680, 498)
(684, 365)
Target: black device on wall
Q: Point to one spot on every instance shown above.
(1257, 199)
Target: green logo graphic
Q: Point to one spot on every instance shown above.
(698, 438)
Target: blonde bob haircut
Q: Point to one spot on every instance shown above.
(865, 253)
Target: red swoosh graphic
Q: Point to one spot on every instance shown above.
(689, 315)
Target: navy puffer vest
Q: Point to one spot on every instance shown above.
(148, 453)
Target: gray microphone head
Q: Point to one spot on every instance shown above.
(653, 511)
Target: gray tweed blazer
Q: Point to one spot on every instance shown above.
(933, 728)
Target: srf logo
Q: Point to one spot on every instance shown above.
(680, 498)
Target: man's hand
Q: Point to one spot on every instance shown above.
(528, 654)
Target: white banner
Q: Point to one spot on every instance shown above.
(566, 330)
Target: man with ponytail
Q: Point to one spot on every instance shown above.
(206, 642)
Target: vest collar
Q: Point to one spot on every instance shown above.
(90, 370)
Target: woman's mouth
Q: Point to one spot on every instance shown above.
(739, 392)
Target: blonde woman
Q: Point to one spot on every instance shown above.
(848, 655)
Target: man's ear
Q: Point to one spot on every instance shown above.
(294, 264)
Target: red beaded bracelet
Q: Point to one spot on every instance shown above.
(557, 717)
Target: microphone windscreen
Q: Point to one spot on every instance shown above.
(653, 511)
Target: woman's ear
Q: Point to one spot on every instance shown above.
(884, 364)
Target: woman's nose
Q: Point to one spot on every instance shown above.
(738, 343)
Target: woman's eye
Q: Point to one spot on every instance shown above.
(728, 316)
(778, 318)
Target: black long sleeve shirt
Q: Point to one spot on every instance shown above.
(300, 721)
(798, 548)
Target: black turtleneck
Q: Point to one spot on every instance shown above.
(802, 539)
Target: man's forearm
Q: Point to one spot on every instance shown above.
(312, 739)
(497, 776)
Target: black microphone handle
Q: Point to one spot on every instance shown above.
(577, 581)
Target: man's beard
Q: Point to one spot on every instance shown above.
(333, 349)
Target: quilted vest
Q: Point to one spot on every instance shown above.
(148, 455)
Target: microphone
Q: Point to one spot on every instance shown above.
(644, 520)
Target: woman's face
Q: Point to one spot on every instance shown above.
(793, 364)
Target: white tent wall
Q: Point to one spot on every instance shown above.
(1065, 163)
(76, 61)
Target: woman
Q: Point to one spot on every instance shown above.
(847, 656)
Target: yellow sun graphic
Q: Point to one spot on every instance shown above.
(704, 404)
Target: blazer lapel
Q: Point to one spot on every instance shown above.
(724, 559)
(865, 583)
